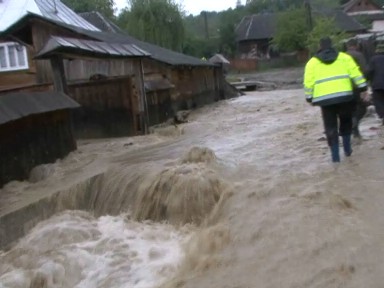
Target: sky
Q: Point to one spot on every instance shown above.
(195, 6)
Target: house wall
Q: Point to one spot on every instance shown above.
(194, 85)
(159, 106)
(363, 5)
(378, 26)
(108, 108)
(104, 112)
(13, 79)
(33, 140)
(253, 49)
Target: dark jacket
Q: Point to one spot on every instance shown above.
(359, 59)
(375, 72)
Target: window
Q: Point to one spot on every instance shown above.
(13, 56)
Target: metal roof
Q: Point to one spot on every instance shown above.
(219, 58)
(156, 52)
(99, 21)
(76, 47)
(13, 10)
(14, 106)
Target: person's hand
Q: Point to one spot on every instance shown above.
(365, 96)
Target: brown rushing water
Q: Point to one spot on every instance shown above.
(260, 205)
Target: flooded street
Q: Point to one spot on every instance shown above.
(242, 196)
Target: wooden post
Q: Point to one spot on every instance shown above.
(59, 80)
(143, 101)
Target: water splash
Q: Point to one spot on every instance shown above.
(75, 249)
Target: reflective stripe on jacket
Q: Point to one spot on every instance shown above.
(327, 84)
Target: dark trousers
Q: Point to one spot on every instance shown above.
(378, 101)
(337, 121)
(359, 112)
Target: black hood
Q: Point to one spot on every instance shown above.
(327, 56)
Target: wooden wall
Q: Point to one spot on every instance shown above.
(33, 140)
(363, 5)
(194, 85)
(109, 108)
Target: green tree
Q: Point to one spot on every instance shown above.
(291, 30)
(324, 27)
(105, 7)
(258, 6)
(156, 21)
(227, 29)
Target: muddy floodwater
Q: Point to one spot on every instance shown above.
(243, 195)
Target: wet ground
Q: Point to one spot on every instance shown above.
(291, 219)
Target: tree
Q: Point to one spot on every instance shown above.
(258, 6)
(157, 21)
(291, 31)
(227, 26)
(105, 7)
(324, 27)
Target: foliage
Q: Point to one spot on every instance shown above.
(258, 6)
(195, 25)
(105, 7)
(156, 21)
(227, 29)
(291, 30)
(201, 47)
(324, 27)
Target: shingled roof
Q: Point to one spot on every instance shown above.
(257, 27)
(263, 26)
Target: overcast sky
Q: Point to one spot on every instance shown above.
(195, 6)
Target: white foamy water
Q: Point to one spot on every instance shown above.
(74, 249)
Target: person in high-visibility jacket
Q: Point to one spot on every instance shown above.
(328, 81)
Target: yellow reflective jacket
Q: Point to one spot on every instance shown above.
(330, 82)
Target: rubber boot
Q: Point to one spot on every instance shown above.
(335, 153)
(347, 145)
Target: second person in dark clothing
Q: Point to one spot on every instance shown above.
(360, 108)
(375, 75)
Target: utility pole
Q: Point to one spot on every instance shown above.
(308, 12)
(205, 15)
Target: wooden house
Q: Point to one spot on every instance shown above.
(193, 82)
(255, 32)
(99, 85)
(184, 82)
(368, 11)
(35, 128)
